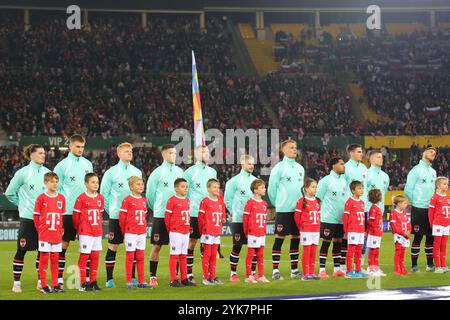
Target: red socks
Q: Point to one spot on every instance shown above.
(139, 265)
(306, 260)
(354, 253)
(82, 261)
(206, 260)
(443, 253)
(212, 261)
(173, 267)
(439, 251)
(54, 264)
(183, 266)
(129, 266)
(350, 254)
(43, 264)
(95, 258)
(312, 259)
(398, 257)
(373, 257)
(248, 261)
(260, 256)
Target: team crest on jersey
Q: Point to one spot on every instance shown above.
(156, 237)
(279, 227)
(326, 232)
(23, 242)
(99, 203)
(237, 236)
(416, 228)
(59, 204)
(111, 235)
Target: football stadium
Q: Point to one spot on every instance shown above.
(224, 150)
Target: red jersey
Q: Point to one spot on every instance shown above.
(255, 216)
(439, 210)
(133, 215)
(87, 215)
(48, 212)
(400, 223)
(210, 215)
(177, 215)
(308, 218)
(354, 218)
(375, 221)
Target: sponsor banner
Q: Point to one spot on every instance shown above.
(405, 142)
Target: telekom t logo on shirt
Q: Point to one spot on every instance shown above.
(360, 217)
(216, 218)
(313, 215)
(185, 217)
(261, 219)
(52, 222)
(140, 216)
(93, 215)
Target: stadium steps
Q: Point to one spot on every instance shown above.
(240, 54)
(361, 107)
(261, 55)
(401, 28)
(246, 31)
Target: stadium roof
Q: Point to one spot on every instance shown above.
(210, 4)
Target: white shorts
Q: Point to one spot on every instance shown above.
(209, 239)
(402, 240)
(309, 238)
(355, 238)
(373, 241)
(135, 242)
(87, 244)
(440, 230)
(178, 243)
(256, 242)
(50, 247)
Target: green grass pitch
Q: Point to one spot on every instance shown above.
(226, 291)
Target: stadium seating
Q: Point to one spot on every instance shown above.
(246, 31)
(401, 28)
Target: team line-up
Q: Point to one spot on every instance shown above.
(345, 209)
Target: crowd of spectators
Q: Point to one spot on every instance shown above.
(311, 106)
(114, 77)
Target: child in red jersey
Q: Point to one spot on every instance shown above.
(375, 232)
(439, 217)
(254, 224)
(354, 228)
(177, 219)
(133, 224)
(211, 215)
(307, 218)
(401, 228)
(48, 211)
(87, 221)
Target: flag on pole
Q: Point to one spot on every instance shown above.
(199, 133)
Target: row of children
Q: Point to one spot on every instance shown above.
(89, 207)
